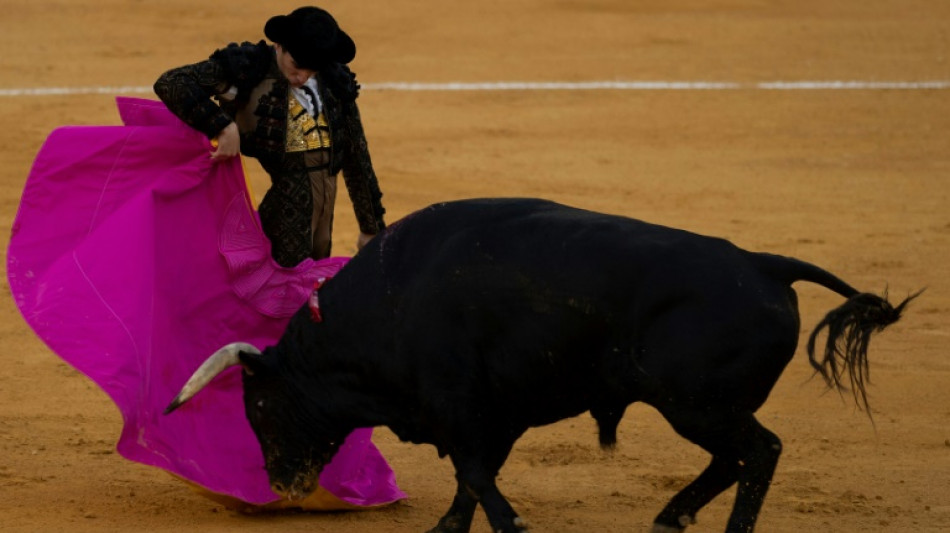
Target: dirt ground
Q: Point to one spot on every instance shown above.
(853, 180)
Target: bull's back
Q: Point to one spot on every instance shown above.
(501, 302)
(499, 246)
(541, 303)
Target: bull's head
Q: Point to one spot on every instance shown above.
(278, 415)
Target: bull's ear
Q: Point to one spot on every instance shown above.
(253, 363)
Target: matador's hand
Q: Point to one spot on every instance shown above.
(229, 143)
(363, 239)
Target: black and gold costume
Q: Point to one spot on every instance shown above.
(302, 153)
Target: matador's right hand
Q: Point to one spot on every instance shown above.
(229, 143)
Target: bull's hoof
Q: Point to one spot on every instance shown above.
(521, 524)
(441, 529)
(452, 524)
(684, 521)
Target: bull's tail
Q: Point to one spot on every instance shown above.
(846, 347)
(849, 326)
(789, 270)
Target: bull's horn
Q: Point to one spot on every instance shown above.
(220, 360)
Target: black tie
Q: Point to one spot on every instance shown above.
(313, 99)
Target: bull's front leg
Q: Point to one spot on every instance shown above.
(501, 515)
(476, 473)
(458, 519)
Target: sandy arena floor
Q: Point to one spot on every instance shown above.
(853, 180)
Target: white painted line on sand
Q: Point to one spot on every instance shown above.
(660, 85)
(554, 86)
(71, 91)
(852, 85)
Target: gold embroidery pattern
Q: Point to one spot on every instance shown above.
(303, 132)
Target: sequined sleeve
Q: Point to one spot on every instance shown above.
(359, 176)
(187, 92)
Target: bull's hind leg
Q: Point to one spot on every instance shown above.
(681, 510)
(743, 451)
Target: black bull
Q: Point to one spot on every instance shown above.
(469, 322)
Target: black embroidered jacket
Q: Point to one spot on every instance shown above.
(260, 109)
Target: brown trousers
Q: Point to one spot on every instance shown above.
(297, 210)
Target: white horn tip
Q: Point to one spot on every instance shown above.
(214, 365)
(176, 403)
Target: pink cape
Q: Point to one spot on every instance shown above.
(133, 257)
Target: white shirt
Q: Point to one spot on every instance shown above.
(301, 95)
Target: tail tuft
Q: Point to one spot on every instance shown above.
(850, 327)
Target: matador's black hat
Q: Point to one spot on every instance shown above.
(312, 37)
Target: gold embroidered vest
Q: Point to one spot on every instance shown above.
(304, 132)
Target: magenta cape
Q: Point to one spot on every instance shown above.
(134, 257)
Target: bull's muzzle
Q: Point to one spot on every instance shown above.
(301, 487)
